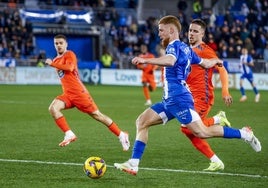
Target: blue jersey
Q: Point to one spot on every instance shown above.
(177, 99)
(175, 76)
(245, 69)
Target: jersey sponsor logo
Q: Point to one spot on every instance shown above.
(61, 73)
(183, 113)
(171, 50)
(186, 50)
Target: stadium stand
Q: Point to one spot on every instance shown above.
(122, 25)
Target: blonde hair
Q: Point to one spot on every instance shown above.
(171, 20)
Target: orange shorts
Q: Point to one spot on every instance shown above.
(202, 107)
(149, 79)
(83, 102)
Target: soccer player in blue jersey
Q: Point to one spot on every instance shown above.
(246, 62)
(177, 100)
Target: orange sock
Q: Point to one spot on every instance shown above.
(200, 144)
(62, 124)
(115, 129)
(208, 121)
(146, 92)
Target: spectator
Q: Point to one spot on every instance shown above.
(231, 53)
(248, 44)
(251, 17)
(41, 59)
(197, 9)
(106, 58)
(228, 17)
(182, 5)
(265, 57)
(211, 42)
(128, 50)
(212, 20)
(260, 45)
(223, 52)
(244, 10)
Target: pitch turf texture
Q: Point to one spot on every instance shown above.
(30, 155)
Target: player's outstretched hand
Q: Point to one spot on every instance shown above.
(48, 61)
(137, 60)
(220, 63)
(228, 100)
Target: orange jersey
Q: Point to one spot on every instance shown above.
(200, 79)
(66, 67)
(74, 91)
(147, 69)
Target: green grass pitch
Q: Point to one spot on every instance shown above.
(30, 155)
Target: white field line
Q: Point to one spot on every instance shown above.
(149, 169)
(20, 102)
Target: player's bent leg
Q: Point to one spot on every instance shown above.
(146, 119)
(199, 129)
(55, 108)
(113, 127)
(200, 144)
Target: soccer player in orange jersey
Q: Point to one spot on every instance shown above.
(200, 84)
(76, 95)
(148, 78)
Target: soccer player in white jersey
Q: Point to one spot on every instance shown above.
(177, 100)
(246, 62)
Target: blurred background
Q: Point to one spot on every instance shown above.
(117, 28)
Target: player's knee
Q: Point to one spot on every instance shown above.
(52, 110)
(97, 115)
(200, 134)
(152, 88)
(141, 122)
(144, 84)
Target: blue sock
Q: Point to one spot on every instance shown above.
(255, 90)
(242, 91)
(138, 149)
(231, 133)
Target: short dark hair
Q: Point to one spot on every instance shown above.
(200, 23)
(60, 36)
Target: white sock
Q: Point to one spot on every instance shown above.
(215, 158)
(121, 134)
(69, 133)
(134, 162)
(216, 120)
(245, 135)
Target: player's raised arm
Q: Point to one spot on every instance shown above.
(208, 63)
(166, 60)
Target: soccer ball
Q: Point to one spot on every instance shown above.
(94, 167)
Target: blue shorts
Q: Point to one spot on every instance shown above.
(248, 76)
(184, 112)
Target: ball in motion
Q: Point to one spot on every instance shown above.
(94, 167)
